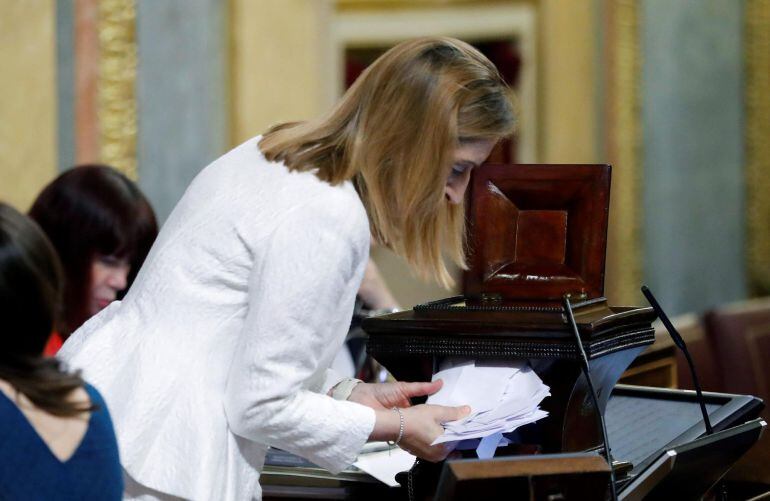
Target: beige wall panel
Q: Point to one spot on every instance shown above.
(623, 142)
(568, 85)
(572, 117)
(276, 62)
(28, 104)
(407, 289)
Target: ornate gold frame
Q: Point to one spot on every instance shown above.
(116, 95)
(757, 124)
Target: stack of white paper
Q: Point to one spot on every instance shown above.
(503, 395)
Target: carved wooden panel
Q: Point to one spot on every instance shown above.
(537, 232)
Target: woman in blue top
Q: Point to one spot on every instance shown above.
(56, 437)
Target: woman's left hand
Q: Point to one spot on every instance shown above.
(389, 395)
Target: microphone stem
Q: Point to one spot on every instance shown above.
(679, 342)
(592, 390)
(699, 392)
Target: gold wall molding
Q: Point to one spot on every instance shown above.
(413, 4)
(116, 86)
(624, 149)
(757, 126)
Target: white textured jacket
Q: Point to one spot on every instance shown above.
(221, 346)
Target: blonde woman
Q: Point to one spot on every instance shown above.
(220, 348)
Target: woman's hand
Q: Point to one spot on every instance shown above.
(422, 425)
(388, 395)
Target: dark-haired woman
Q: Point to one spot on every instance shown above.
(102, 228)
(56, 437)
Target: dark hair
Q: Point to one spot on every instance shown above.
(88, 211)
(30, 295)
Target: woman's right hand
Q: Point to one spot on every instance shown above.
(422, 425)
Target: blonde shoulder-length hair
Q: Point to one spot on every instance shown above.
(394, 133)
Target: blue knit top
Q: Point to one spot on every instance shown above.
(30, 471)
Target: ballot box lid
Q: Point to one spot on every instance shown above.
(537, 232)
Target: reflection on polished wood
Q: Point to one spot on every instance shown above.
(538, 231)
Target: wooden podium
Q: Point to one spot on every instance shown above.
(537, 478)
(535, 233)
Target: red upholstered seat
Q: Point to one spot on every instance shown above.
(739, 335)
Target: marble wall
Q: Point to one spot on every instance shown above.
(693, 176)
(181, 89)
(65, 82)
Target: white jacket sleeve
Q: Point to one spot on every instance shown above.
(300, 297)
(331, 379)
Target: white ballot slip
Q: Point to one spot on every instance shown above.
(503, 395)
(385, 464)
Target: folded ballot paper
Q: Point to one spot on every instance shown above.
(503, 395)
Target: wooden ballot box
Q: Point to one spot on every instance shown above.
(535, 233)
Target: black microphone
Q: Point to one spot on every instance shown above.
(679, 342)
(586, 372)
